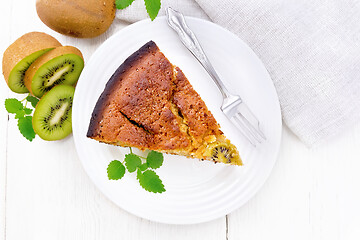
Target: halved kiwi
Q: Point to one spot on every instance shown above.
(224, 152)
(61, 65)
(21, 54)
(52, 115)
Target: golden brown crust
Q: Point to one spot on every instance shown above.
(200, 121)
(149, 104)
(77, 18)
(139, 94)
(102, 105)
(24, 46)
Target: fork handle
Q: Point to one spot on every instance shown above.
(177, 22)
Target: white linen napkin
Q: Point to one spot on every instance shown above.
(310, 48)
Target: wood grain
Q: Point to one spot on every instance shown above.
(45, 193)
(311, 194)
(4, 41)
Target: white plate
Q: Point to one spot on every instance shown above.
(196, 191)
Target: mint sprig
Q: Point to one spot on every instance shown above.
(115, 170)
(154, 159)
(132, 162)
(22, 114)
(26, 128)
(33, 100)
(122, 4)
(148, 179)
(152, 6)
(13, 105)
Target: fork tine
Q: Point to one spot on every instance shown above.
(252, 130)
(250, 119)
(248, 128)
(244, 130)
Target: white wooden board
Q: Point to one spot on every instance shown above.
(45, 194)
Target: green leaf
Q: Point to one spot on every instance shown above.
(132, 161)
(150, 181)
(121, 4)
(20, 114)
(154, 159)
(27, 111)
(143, 166)
(33, 100)
(115, 170)
(26, 128)
(152, 7)
(13, 105)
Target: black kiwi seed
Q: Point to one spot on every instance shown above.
(225, 152)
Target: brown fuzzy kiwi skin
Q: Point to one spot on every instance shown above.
(59, 51)
(24, 46)
(77, 18)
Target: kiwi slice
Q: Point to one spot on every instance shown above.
(224, 152)
(61, 65)
(52, 115)
(21, 54)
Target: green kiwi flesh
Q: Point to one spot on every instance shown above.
(16, 77)
(64, 69)
(52, 115)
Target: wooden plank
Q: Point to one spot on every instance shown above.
(45, 193)
(5, 39)
(311, 194)
(280, 209)
(335, 192)
(142, 229)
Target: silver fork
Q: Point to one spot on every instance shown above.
(233, 106)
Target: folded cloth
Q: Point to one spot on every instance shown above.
(310, 48)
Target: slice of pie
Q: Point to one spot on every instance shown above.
(148, 103)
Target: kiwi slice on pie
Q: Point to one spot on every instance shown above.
(61, 65)
(52, 115)
(21, 54)
(222, 151)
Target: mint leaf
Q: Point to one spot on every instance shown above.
(33, 100)
(26, 128)
(154, 159)
(132, 161)
(115, 170)
(13, 105)
(150, 181)
(20, 114)
(152, 7)
(143, 166)
(27, 111)
(121, 4)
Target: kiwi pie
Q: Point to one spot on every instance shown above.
(148, 103)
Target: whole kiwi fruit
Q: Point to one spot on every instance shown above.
(61, 65)
(77, 18)
(21, 54)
